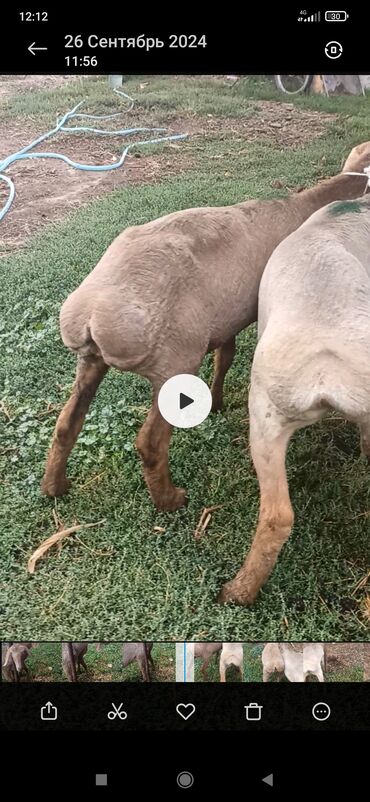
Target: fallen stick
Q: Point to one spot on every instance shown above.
(4, 410)
(366, 612)
(205, 519)
(361, 584)
(55, 538)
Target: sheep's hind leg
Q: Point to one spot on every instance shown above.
(270, 432)
(364, 428)
(222, 362)
(153, 442)
(90, 372)
(83, 664)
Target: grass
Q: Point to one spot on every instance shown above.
(125, 579)
(171, 96)
(353, 674)
(190, 95)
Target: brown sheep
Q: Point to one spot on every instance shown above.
(163, 295)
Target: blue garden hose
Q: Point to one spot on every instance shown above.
(61, 126)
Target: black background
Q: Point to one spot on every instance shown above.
(241, 39)
(144, 766)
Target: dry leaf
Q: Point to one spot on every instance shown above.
(55, 538)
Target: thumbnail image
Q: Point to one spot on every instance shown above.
(218, 662)
(152, 484)
(305, 662)
(88, 662)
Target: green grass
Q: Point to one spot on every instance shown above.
(45, 664)
(167, 96)
(153, 95)
(348, 674)
(124, 579)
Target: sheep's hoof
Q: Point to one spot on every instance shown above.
(172, 501)
(53, 488)
(234, 592)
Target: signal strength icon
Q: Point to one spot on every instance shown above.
(312, 18)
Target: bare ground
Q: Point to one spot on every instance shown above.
(48, 189)
(345, 655)
(11, 84)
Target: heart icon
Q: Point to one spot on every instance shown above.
(185, 711)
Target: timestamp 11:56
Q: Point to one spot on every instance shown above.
(81, 61)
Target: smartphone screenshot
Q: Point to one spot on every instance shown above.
(184, 401)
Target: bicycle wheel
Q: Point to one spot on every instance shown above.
(293, 84)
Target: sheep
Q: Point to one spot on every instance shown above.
(141, 652)
(231, 655)
(272, 662)
(313, 355)
(5, 645)
(314, 661)
(282, 659)
(73, 659)
(163, 295)
(206, 651)
(14, 661)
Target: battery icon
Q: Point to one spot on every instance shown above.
(336, 16)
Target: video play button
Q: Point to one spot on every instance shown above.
(184, 401)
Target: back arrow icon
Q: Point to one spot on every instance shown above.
(33, 47)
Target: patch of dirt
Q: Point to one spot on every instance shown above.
(48, 189)
(283, 124)
(367, 662)
(344, 655)
(11, 84)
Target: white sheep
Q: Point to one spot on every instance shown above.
(282, 659)
(313, 355)
(314, 661)
(231, 655)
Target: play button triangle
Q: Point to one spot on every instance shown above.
(185, 401)
(182, 391)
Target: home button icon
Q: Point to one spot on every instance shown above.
(185, 779)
